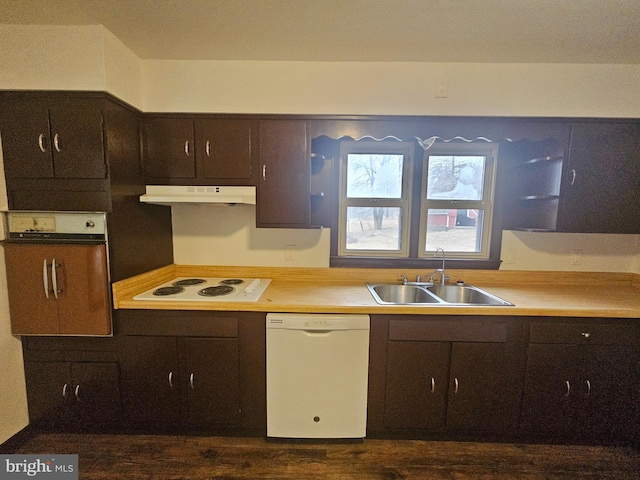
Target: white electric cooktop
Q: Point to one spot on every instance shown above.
(206, 289)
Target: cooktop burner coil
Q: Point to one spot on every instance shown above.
(231, 281)
(216, 291)
(188, 282)
(163, 291)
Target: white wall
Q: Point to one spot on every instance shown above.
(391, 88)
(14, 415)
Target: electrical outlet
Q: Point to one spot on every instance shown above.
(290, 253)
(442, 89)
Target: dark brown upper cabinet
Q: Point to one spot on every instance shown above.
(601, 184)
(284, 178)
(203, 151)
(59, 137)
(585, 180)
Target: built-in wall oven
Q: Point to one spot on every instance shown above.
(58, 273)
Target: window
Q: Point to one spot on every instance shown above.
(456, 208)
(375, 199)
(399, 201)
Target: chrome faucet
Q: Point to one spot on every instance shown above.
(443, 276)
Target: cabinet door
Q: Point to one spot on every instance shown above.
(26, 139)
(284, 177)
(170, 148)
(212, 381)
(96, 394)
(77, 139)
(150, 380)
(417, 379)
(81, 278)
(225, 148)
(481, 396)
(600, 192)
(49, 389)
(609, 394)
(551, 390)
(32, 304)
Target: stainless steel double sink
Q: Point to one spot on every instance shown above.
(430, 294)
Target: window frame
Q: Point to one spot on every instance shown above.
(413, 261)
(406, 149)
(487, 203)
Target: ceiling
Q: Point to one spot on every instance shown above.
(513, 31)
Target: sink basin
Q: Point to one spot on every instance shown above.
(465, 294)
(395, 294)
(398, 294)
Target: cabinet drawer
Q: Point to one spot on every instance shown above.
(176, 324)
(447, 331)
(585, 333)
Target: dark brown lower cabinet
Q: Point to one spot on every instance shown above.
(172, 381)
(73, 395)
(457, 375)
(582, 393)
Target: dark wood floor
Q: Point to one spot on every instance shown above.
(157, 457)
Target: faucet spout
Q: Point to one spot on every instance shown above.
(443, 277)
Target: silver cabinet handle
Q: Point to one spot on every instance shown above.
(207, 148)
(585, 334)
(54, 278)
(588, 387)
(186, 148)
(433, 384)
(76, 392)
(170, 379)
(41, 143)
(56, 142)
(264, 172)
(568, 388)
(65, 390)
(45, 279)
(573, 176)
(191, 384)
(456, 385)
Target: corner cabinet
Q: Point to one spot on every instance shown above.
(582, 382)
(284, 175)
(198, 150)
(584, 181)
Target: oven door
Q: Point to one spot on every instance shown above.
(58, 289)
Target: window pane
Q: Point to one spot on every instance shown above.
(374, 175)
(455, 177)
(455, 230)
(377, 228)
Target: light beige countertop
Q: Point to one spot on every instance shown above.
(343, 290)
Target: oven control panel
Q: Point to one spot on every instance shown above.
(55, 226)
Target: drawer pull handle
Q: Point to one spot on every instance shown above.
(191, 382)
(588, 387)
(585, 334)
(65, 390)
(568, 388)
(456, 385)
(207, 148)
(77, 392)
(170, 379)
(433, 384)
(186, 148)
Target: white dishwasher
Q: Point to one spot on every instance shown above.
(317, 375)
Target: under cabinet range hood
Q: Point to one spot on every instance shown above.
(199, 195)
